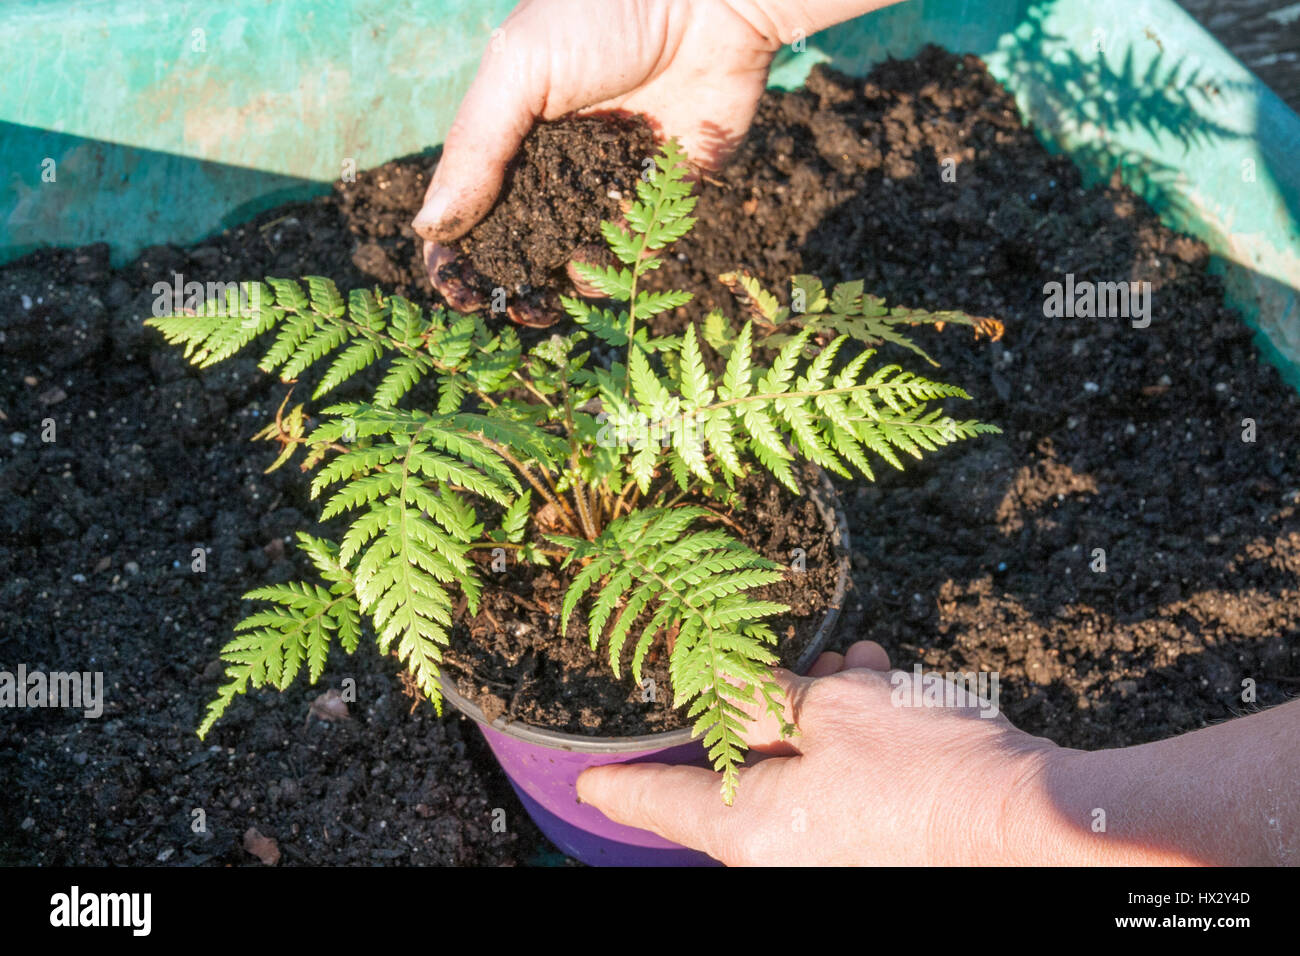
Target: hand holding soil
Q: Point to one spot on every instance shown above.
(694, 69)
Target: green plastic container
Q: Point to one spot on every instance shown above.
(146, 121)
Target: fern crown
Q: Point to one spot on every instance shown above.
(468, 441)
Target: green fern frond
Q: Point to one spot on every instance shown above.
(515, 521)
(611, 327)
(846, 310)
(699, 583)
(216, 328)
(660, 215)
(827, 416)
(662, 212)
(610, 281)
(272, 645)
(316, 324)
(411, 529)
(402, 375)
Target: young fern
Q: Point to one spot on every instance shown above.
(605, 467)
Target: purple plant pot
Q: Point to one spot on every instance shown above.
(543, 765)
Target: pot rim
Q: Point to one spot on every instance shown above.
(826, 498)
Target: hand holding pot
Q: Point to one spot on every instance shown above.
(873, 778)
(865, 782)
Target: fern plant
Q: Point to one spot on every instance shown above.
(607, 468)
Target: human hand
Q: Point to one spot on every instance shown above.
(865, 782)
(694, 68)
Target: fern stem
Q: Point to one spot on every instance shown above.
(556, 501)
(588, 526)
(605, 501)
(575, 458)
(618, 503)
(641, 250)
(529, 385)
(773, 396)
(550, 483)
(631, 329)
(725, 520)
(690, 486)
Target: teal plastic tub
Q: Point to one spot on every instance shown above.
(147, 121)
(136, 122)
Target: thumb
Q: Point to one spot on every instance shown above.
(496, 114)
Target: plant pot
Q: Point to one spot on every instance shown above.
(543, 765)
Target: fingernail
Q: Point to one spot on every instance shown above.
(533, 316)
(428, 219)
(588, 254)
(579, 785)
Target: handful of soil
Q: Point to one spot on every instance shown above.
(568, 176)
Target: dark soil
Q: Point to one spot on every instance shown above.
(567, 178)
(1118, 438)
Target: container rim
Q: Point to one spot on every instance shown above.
(825, 497)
